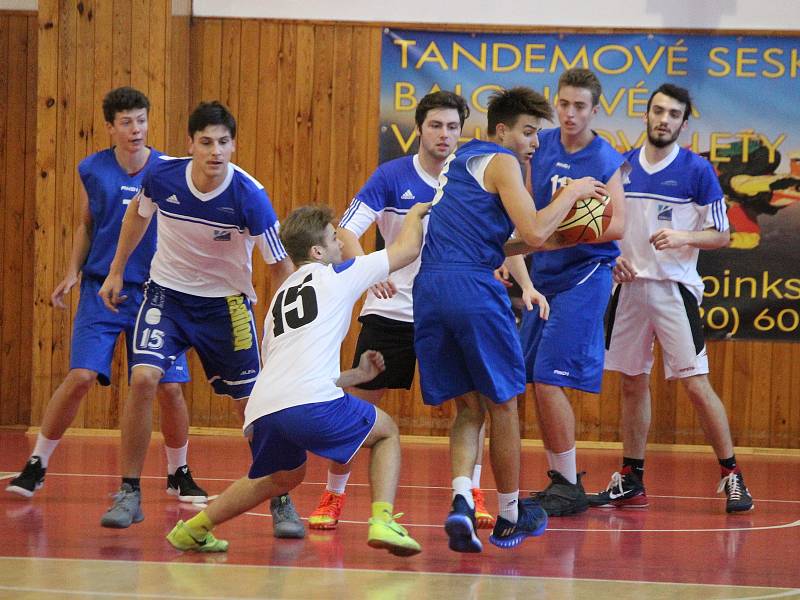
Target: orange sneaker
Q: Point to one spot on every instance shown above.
(482, 516)
(326, 516)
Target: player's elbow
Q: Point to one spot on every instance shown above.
(534, 238)
(723, 239)
(401, 255)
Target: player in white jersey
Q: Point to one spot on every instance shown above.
(675, 208)
(387, 317)
(211, 215)
(298, 403)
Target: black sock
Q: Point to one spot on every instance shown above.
(134, 482)
(729, 463)
(635, 464)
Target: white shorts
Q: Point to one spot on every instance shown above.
(646, 309)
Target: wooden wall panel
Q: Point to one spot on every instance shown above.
(84, 50)
(17, 182)
(306, 99)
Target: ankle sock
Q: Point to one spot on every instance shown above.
(509, 505)
(337, 483)
(382, 511)
(463, 485)
(176, 457)
(44, 448)
(134, 482)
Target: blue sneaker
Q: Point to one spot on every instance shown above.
(532, 522)
(460, 527)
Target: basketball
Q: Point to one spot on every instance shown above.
(586, 221)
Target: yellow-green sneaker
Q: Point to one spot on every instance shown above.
(181, 537)
(391, 536)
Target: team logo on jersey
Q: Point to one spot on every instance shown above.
(221, 235)
(173, 199)
(562, 165)
(664, 212)
(408, 195)
(670, 182)
(225, 209)
(128, 188)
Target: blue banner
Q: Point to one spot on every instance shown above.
(746, 122)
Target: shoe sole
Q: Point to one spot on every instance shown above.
(393, 548)
(289, 535)
(568, 512)
(118, 525)
(21, 491)
(740, 510)
(190, 499)
(322, 526)
(515, 540)
(462, 535)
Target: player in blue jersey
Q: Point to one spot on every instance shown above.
(566, 350)
(211, 214)
(108, 180)
(675, 208)
(387, 319)
(465, 333)
(298, 404)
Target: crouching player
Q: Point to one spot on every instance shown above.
(297, 404)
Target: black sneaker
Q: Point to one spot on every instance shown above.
(531, 522)
(29, 480)
(184, 487)
(461, 528)
(562, 498)
(625, 490)
(739, 498)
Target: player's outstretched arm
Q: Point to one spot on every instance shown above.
(81, 243)
(406, 246)
(370, 365)
(134, 226)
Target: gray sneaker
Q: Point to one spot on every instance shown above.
(126, 510)
(286, 522)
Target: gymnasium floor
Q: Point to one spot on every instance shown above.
(683, 546)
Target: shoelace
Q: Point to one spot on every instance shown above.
(332, 505)
(734, 485)
(616, 481)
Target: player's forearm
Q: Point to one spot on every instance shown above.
(549, 218)
(81, 243)
(133, 229)
(352, 377)
(709, 239)
(406, 246)
(519, 271)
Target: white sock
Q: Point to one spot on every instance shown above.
(463, 485)
(476, 476)
(44, 448)
(337, 483)
(509, 505)
(176, 457)
(564, 463)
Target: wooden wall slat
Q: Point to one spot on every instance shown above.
(8, 326)
(306, 100)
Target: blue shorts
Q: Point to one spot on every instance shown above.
(465, 336)
(221, 330)
(334, 430)
(96, 329)
(568, 349)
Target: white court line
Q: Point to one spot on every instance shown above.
(410, 487)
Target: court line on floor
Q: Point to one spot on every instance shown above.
(7, 475)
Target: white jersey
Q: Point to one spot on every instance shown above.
(307, 321)
(205, 240)
(681, 192)
(385, 199)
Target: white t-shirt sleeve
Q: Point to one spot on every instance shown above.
(146, 206)
(358, 274)
(358, 217)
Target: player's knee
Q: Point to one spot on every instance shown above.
(170, 394)
(144, 380)
(80, 381)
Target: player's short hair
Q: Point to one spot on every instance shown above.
(582, 78)
(304, 228)
(122, 99)
(441, 99)
(211, 113)
(506, 106)
(677, 93)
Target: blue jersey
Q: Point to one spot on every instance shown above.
(206, 239)
(110, 189)
(468, 225)
(552, 168)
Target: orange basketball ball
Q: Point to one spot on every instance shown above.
(586, 221)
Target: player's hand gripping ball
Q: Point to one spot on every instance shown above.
(586, 221)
